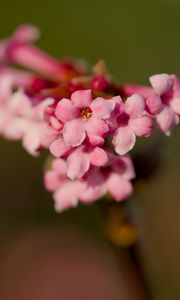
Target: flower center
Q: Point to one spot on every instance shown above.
(123, 119)
(85, 113)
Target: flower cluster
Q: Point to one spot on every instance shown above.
(87, 122)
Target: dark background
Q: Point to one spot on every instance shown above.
(136, 39)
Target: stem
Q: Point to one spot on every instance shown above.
(123, 235)
(134, 282)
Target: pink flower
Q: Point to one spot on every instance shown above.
(28, 123)
(18, 50)
(6, 85)
(79, 159)
(66, 192)
(132, 122)
(153, 104)
(23, 34)
(99, 83)
(162, 99)
(10, 78)
(167, 87)
(19, 78)
(84, 117)
(114, 178)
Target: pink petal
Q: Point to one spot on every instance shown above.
(31, 139)
(175, 105)
(74, 133)
(66, 111)
(66, 196)
(78, 164)
(3, 50)
(98, 157)
(117, 100)
(142, 126)
(33, 58)
(6, 85)
(166, 120)
(19, 78)
(102, 108)
(26, 33)
(118, 187)
(161, 83)
(40, 109)
(82, 98)
(60, 167)
(48, 135)
(135, 106)
(112, 123)
(97, 127)
(95, 140)
(20, 104)
(130, 89)
(51, 181)
(129, 172)
(123, 165)
(58, 148)
(95, 187)
(14, 128)
(154, 104)
(119, 106)
(123, 140)
(55, 123)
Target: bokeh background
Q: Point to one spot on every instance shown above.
(136, 39)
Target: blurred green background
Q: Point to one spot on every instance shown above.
(136, 39)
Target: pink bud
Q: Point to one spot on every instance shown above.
(99, 83)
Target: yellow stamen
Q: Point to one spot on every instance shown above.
(86, 113)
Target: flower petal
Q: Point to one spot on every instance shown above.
(66, 111)
(96, 130)
(82, 98)
(142, 126)
(6, 84)
(165, 120)
(95, 140)
(60, 167)
(154, 104)
(5, 119)
(20, 104)
(102, 108)
(95, 187)
(123, 165)
(58, 148)
(78, 164)
(66, 196)
(32, 137)
(123, 140)
(118, 187)
(135, 106)
(97, 127)
(26, 33)
(48, 135)
(161, 83)
(40, 109)
(14, 129)
(98, 157)
(130, 89)
(175, 105)
(51, 181)
(74, 133)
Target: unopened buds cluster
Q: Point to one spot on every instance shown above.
(83, 118)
